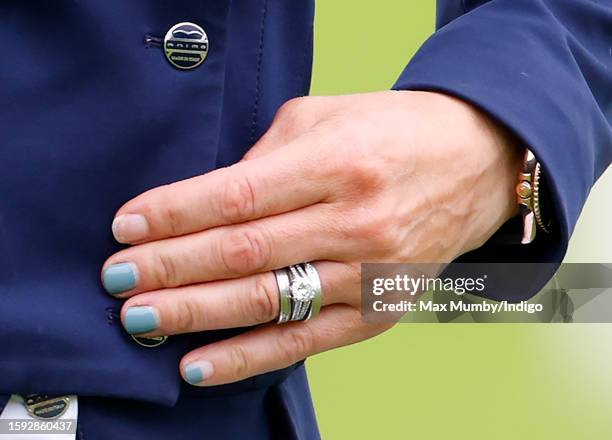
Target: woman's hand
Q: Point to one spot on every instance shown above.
(385, 177)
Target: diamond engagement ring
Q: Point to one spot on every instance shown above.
(299, 292)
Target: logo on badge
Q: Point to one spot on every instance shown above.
(186, 45)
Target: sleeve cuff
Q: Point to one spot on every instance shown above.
(504, 65)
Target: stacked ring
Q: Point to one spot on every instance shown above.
(300, 292)
(284, 289)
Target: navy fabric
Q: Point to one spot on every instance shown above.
(283, 411)
(91, 117)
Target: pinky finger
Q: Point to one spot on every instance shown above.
(272, 347)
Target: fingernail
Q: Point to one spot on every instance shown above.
(198, 372)
(120, 277)
(140, 320)
(128, 228)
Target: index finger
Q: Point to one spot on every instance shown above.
(279, 182)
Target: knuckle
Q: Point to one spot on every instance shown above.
(376, 229)
(160, 205)
(187, 317)
(293, 118)
(239, 360)
(353, 271)
(296, 343)
(263, 301)
(349, 279)
(238, 200)
(383, 239)
(166, 272)
(365, 175)
(172, 220)
(291, 110)
(246, 250)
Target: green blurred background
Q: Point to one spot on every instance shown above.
(460, 381)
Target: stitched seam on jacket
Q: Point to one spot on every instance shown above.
(262, 33)
(306, 71)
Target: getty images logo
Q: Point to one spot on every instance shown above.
(186, 45)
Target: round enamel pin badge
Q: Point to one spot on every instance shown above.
(186, 45)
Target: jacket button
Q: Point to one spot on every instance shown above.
(186, 45)
(150, 342)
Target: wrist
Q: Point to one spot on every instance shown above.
(500, 155)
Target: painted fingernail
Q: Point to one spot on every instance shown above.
(140, 320)
(120, 277)
(128, 228)
(198, 372)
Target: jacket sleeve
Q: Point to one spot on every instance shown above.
(543, 68)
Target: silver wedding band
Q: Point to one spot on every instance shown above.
(299, 288)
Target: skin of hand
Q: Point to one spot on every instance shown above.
(383, 177)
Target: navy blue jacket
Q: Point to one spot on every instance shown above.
(91, 117)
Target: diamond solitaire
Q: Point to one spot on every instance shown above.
(305, 287)
(302, 289)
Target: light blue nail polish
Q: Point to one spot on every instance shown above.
(193, 374)
(140, 320)
(120, 277)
